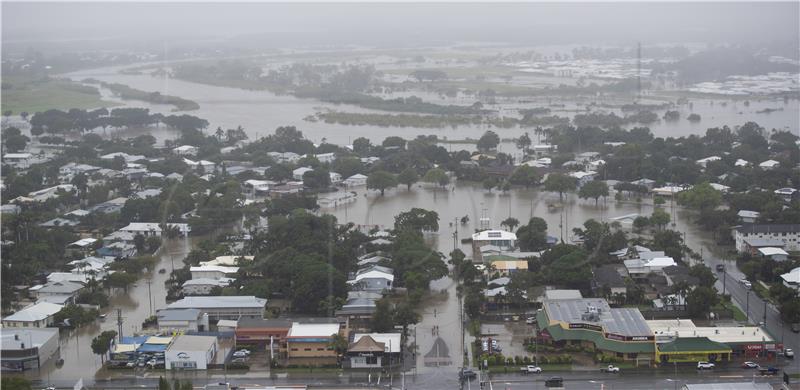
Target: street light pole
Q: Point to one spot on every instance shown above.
(747, 307)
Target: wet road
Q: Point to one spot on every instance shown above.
(79, 361)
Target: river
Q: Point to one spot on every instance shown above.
(261, 112)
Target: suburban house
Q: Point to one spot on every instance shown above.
(769, 164)
(18, 160)
(751, 237)
(357, 180)
(786, 193)
(583, 177)
(703, 162)
(154, 229)
(204, 286)
(776, 254)
(61, 292)
(747, 216)
(501, 239)
(607, 280)
(186, 150)
(648, 262)
(374, 278)
(39, 315)
(791, 279)
(298, 173)
(213, 272)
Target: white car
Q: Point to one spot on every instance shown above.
(532, 369)
(244, 351)
(530, 320)
(705, 365)
(610, 369)
(789, 353)
(747, 284)
(239, 354)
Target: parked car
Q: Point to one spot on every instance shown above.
(531, 370)
(244, 351)
(796, 327)
(788, 353)
(239, 354)
(768, 371)
(555, 381)
(467, 373)
(720, 267)
(705, 365)
(750, 365)
(530, 320)
(746, 283)
(612, 369)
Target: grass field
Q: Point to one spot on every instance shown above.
(33, 96)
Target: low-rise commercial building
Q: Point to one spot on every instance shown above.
(311, 343)
(224, 307)
(39, 315)
(750, 341)
(788, 235)
(26, 348)
(592, 323)
(191, 352)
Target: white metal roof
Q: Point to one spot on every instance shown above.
(313, 330)
(35, 312)
(772, 251)
(491, 235)
(792, 276)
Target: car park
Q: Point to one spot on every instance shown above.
(705, 365)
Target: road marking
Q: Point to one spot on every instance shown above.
(731, 376)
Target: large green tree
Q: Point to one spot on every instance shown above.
(381, 180)
(408, 176)
(593, 190)
(557, 182)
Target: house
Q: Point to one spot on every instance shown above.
(583, 177)
(643, 266)
(357, 180)
(703, 162)
(359, 309)
(82, 246)
(70, 170)
(39, 315)
(336, 199)
(769, 164)
(720, 187)
(741, 163)
(204, 166)
(787, 193)
(188, 352)
(373, 278)
(776, 254)
(374, 350)
(18, 160)
(92, 267)
(667, 190)
(174, 176)
(284, 158)
(747, 216)
(335, 177)
(25, 349)
(326, 158)
(63, 291)
(298, 173)
(10, 209)
(606, 280)
(148, 193)
(154, 229)
(791, 279)
(227, 260)
(539, 150)
(117, 250)
(51, 192)
(204, 286)
(182, 320)
(310, 343)
(678, 274)
(644, 182)
(223, 307)
(753, 236)
(125, 156)
(110, 206)
(500, 239)
(186, 150)
(587, 157)
(258, 187)
(135, 173)
(213, 271)
(508, 267)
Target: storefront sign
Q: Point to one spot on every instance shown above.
(596, 328)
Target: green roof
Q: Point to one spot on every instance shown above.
(491, 258)
(693, 344)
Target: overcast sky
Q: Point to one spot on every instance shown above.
(276, 24)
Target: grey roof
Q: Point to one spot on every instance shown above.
(217, 302)
(264, 323)
(31, 337)
(193, 343)
(767, 228)
(178, 315)
(60, 288)
(764, 242)
(624, 321)
(607, 275)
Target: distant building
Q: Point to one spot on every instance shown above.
(357, 180)
(747, 216)
(18, 160)
(503, 240)
(776, 254)
(204, 286)
(791, 279)
(310, 343)
(213, 272)
(298, 173)
(749, 237)
(769, 164)
(154, 229)
(583, 177)
(374, 350)
(186, 150)
(25, 349)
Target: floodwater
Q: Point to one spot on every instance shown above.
(79, 361)
(261, 112)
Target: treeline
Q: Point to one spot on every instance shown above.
(59, 122)
(432, 121)
(127, 93)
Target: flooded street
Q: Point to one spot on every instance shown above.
(79, 361)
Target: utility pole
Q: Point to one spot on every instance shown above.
(150, 295)
(455, 233)
(119, 324)
(747, 307)
(765, 312)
